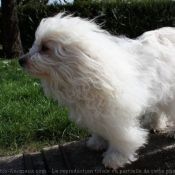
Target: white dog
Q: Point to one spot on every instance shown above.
(106, 82)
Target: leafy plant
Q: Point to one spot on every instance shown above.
(130, 17)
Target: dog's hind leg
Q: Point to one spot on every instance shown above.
(170, 114)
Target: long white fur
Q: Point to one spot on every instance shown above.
(106, 82)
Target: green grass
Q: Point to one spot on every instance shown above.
(28, 120)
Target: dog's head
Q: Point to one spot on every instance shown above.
(61, 44)
(68, 54)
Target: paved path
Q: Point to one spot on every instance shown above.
(158, 157)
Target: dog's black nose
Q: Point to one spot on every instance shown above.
(22, 61)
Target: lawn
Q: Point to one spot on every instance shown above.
(28, 120)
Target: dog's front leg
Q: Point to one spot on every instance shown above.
(97, 142)
(123, 144)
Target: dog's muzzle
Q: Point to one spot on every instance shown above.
(23, 61)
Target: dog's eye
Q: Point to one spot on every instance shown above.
(44, 48)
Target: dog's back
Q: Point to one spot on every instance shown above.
(165, 36)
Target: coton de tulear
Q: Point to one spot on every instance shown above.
(108, 83)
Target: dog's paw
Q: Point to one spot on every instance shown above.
(155, 122)
(97, 143)
(116, 160)
(171, 131)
